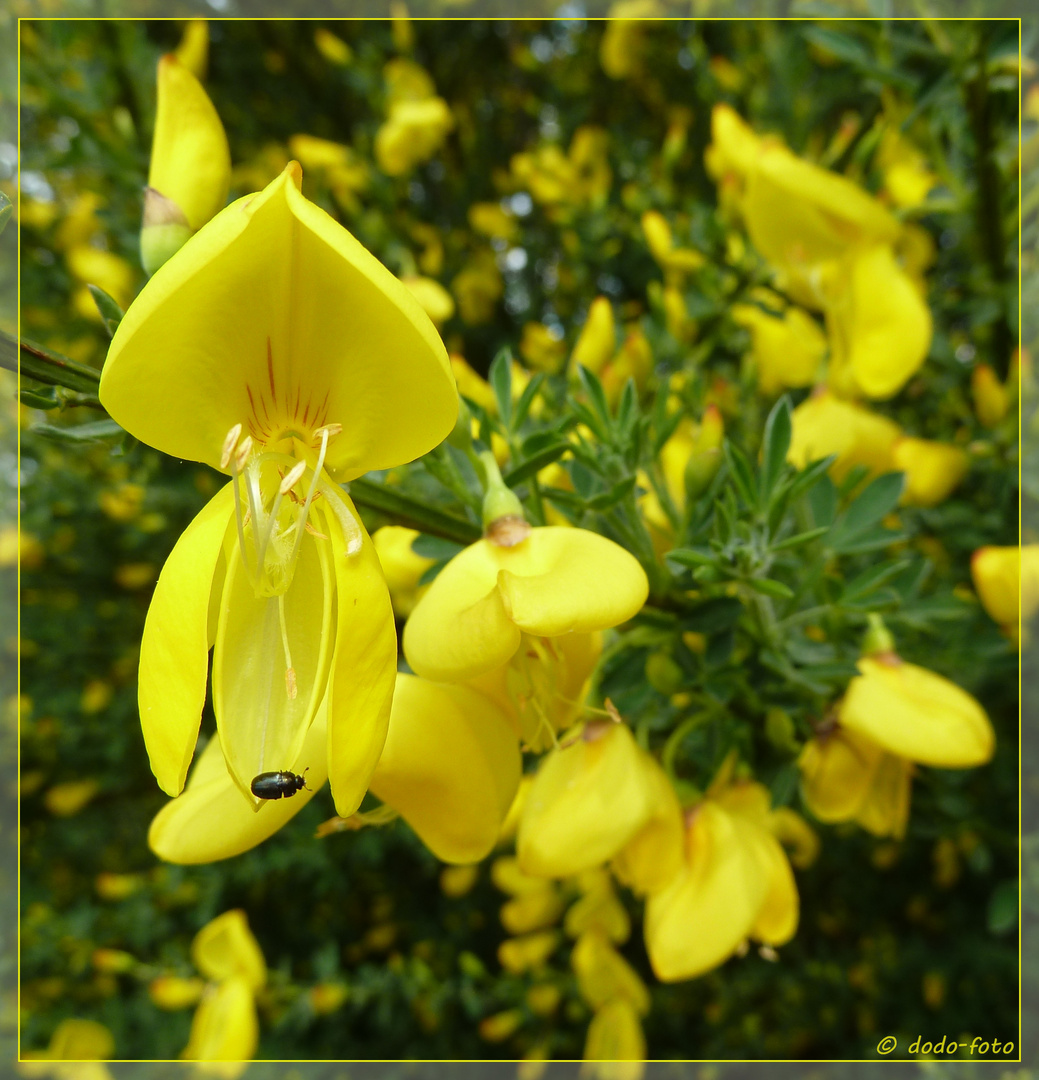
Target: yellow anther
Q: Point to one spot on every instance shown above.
(230, 442)
(242, 455)
(330, 429)
(292, 477)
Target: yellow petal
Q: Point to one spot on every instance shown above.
(885, 811)
(212, 819)
(734, 146)
(837, 770)
(224, 1027)
(918, 715)
(275, 317)
(881, 325)
(193, 50)
(557, 581)
(800, 215)
(653, 856)
(933, 470)
(698, 920)
(796, 834)
(175, 646)
(615, 1040)
(191, 161)
(451, 766)
(786, 350)
(776, 922)
(587, 801)
(597, 341)
(824, 425)
(225, 948)
(83, 1040)
(1006, 579)
(604, 975)
(272, 659)
(364, 664)
(401, 566)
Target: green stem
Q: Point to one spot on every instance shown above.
(675, 739)
(413, 513)
(46, 366)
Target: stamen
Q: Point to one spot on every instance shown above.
(243, 452)
(302, 523)
(292, 478)
(239, 517)
(329, 430)
(230, 442)
(290, 671)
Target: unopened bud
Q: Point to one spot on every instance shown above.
(164, 230)
(877, 640)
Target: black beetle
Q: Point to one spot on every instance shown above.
(278, 785)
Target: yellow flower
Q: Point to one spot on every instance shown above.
(401, 566)
(623, 42)
(1007, 582)
(490, 219)
(77, 1040)
(880, 324)
(991, 400)
(734, 147)
(615, 1047)
(735, 883)
(907, 180)
(489, 599)
(225, 1027)
(661, 245)
(786, 349)
(190, 168)
(521, 954)
(193, 50)
(274, 347)
(332, 48)
(932, 469)
(801, 217)
(845, 776)
(824, 425)
(541, 347)
(916, 714)
(433, 298)
(653, 856)
(588, 799)
(414, 131)
(603, 975)
(597, 341)
(451, 767)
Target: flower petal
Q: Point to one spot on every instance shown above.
(364, 665)
(271, 662)
(224, 1027)
(213, 820)
(837, 770)
(450, 766)
(347, 342)
(225, 948)
(885, 811)
(190, 160)
(175, 645)
(697, 921)
(916, 714)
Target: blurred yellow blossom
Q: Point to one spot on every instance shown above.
(786, 349)
(933, 469)
(401, 566)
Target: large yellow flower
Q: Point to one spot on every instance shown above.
(274, 347)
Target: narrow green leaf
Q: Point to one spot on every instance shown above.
(95, 431)
(774, 447)
(801, 538)
(500, 378)
(535, 463)
(414, 513)
(435, 547)
(111, 313)
(526, 399)
(871, 579)
(823, 500)
(692, 557)
(6, 209)
(610, 498)
(1002, 908)
(742, 474)
(596, 397)
(770, 587)
(810, 476)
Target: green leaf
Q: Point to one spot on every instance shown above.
(774, 447)
(111, 313)
(6, 209)
(871, 579)
(742, 474)
(614, 495)
(435, 547)
(43, 398)
(692, 557)
(526, 400)
(1002, 908)
(414, 513)
(801, 538)
(770, 587)
(500, 378)
(810, 476)
(95, 431)
(535, 463)
(596, 399)
(823, 501)
(875, 503)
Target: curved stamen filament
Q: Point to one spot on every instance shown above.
(301, 524)
(290, 671)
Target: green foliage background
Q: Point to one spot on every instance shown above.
(366, 908)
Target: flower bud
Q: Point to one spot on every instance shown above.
(521, 954)
(603, 975)
(597, 340)
(706, 457)
(1006, 579)
(990, 397)
(171, 992)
